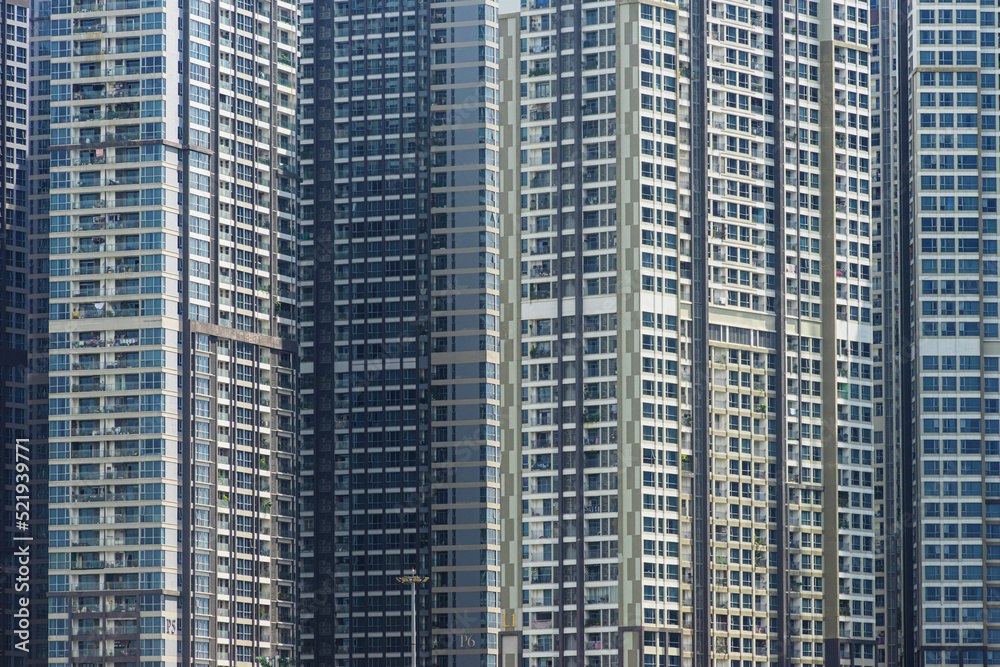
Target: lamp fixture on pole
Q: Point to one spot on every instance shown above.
(413, 580)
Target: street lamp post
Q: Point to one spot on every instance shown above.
(413, 580)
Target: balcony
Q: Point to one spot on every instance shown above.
(102, 222)
(112, 310)
(99, 182)
(89, 246)
(103, 342)
(94, 26)
(86, 72)
(90, 365)
(96, 116)
(97, 430)
(84, 6)
(106, 291)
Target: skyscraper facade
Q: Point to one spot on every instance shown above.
(14, 225)
(14, 142)
(890, 339)
(688, 334)
(171, 331)
(749, 332)
(945, 234)
(400, 332)
(38, 320)
(14, 308)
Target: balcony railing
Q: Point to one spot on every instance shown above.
(94, 72)
(115, 5)
(94, 475)
(98, 115)
(102, 342)
(106, 312)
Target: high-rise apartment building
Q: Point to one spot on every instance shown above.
(171, 337)
(750, 344)
(14, 226)
(688, 363)
(400, 332)
(14, 219)
(939, 203)
(890, 354)
(14, 309)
